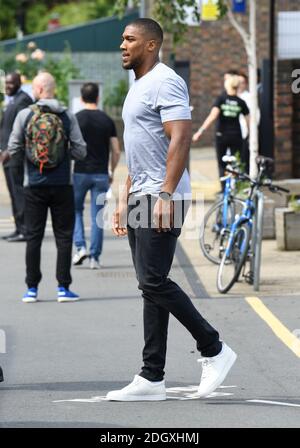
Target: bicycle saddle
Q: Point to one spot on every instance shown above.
(262, 160)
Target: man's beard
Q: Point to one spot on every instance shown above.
(129, 66)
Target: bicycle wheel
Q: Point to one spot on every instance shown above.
(233, 259)
(213, 235)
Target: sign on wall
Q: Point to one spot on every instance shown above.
(289, 35)
(239, 6)
(209, 10)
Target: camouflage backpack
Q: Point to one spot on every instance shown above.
(45, 137)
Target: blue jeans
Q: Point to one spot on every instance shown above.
(98, 185)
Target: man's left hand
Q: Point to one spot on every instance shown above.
(163, 215)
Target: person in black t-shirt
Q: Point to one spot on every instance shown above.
(226, 110)
(93, 174)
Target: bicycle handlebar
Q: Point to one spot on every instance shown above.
(276, 188)
(266, 183)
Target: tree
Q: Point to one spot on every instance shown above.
(249, 39)
(172, 14)
(32, 16)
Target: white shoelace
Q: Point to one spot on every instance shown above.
(206, 366)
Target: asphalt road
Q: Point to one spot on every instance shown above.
(60, 360)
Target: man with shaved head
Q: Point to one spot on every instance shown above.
(14, 168)
(47, 186)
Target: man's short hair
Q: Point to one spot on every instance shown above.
(89, 92)
(16, 77)
(150, 27)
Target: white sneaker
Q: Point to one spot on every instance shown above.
(140, 390)
(95, 264)
(80, 256)
(215, 369)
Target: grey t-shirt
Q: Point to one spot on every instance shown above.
(157, 97)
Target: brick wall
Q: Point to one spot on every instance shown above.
(212, 48)
(283, 118)
(286, 111)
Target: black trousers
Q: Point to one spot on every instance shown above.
(246, 155)
(14, 176)
(152, 255)
(60, 201)
(234, 142)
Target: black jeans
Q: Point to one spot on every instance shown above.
(234, 142)
(14, 176)
(152, 254)
(60, 201)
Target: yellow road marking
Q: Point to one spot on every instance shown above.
(290, 340)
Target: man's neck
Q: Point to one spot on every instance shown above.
(90, 106)
(14, 94)
(145, 68)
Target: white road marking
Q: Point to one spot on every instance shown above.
(173, 393)
(278, 403)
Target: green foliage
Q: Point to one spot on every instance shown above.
(63, 69)
(172, 14)
(70, 13)
(7, 19)
(38, 12)
(294, 203)
(37, 18)
(115, 97)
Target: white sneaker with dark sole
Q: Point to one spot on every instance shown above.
(215, 370)
(80, 256)
(140, 390)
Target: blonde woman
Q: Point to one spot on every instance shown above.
(226, 111)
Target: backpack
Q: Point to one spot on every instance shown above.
(45, 138)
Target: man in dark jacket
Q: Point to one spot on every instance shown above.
(14, 168)
(48, 188)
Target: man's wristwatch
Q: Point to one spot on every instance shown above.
(165, 196)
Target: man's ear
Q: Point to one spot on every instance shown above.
(152, 45)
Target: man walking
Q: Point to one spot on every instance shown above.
(157, 139)
(92, 173)
(14, 168)
(49, 136)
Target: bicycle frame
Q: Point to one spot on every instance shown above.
(229, 186)
(245, 217)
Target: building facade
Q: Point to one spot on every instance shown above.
(212, 48)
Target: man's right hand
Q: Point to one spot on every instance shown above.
(119, 221)
(4, 156)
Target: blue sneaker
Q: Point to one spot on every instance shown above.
(65, 295)
(30, 296)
